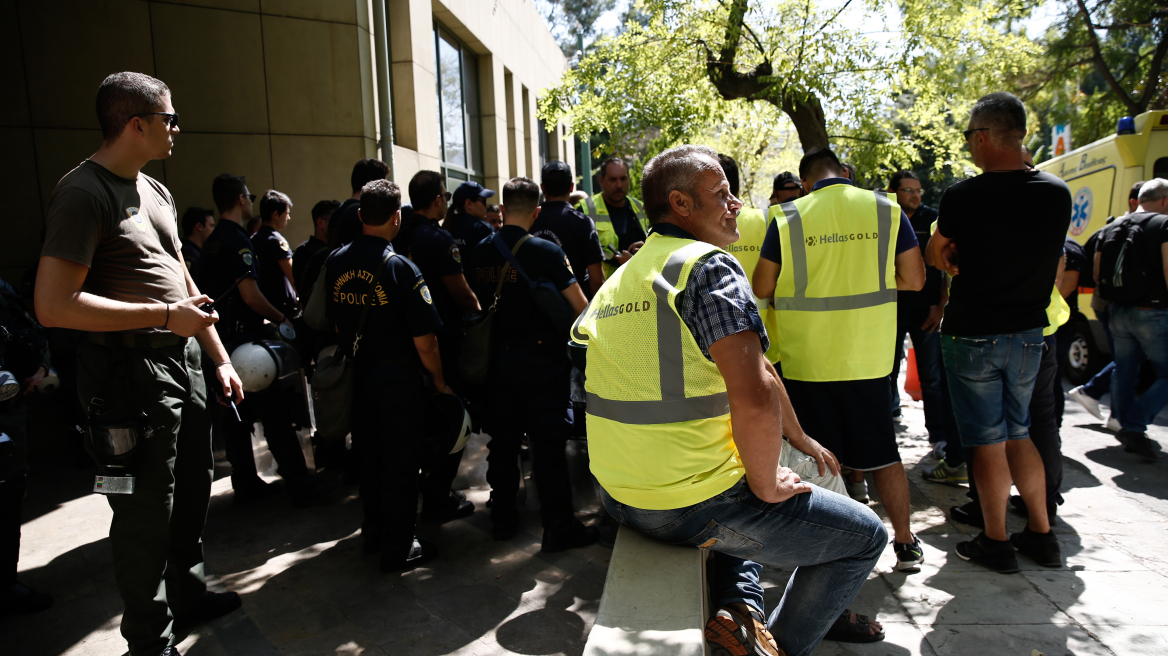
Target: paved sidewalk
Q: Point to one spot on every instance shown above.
(308, 589)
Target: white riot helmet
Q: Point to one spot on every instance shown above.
(448, 422)
(259, 364)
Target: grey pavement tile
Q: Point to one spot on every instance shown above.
(1096, 554)
(975, 598)
(477, 609)
(66, 624)
(432, 638)
(1132, 640)
(338, 641)
(1116, 598)
(543, 631)
(1048, 639)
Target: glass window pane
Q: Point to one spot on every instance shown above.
(450, 106)
(471, 117)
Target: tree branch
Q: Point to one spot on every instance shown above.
(1100, 65)
(1153, 80)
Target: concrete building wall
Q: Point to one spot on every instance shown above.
(280, 91)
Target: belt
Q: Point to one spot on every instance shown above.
(135, 340)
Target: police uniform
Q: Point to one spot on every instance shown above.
(227, 256)
(190, 254)
(300, 259)
(126, 232)
(388, 383)
(575, 233)
(467, 231)
(615, 236)
(270, 249)
(528, 380)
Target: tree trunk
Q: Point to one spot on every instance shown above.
(807, 115)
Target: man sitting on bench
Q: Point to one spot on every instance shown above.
(686, 420)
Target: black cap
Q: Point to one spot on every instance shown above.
(324, 208)
(467, 191)
(556, 171)
(787, 181)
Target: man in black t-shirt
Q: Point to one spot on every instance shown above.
(992, 340)
(1140, 328)
(528, 374)
(568, 228)
(919, 315)
(273, 253)
(398, 344)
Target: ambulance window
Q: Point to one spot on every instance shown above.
(1160, 169)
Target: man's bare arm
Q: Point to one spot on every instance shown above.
(60, 303)
(910, 270)
(943, 251)
(464, 298)
(427, 346)
(575, 297)
(286, 267)
(595, 276)
(249, 290)
(755, 413)
(766, 274)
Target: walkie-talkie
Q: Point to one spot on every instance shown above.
(210, 307)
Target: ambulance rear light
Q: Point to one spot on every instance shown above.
(1127, 125)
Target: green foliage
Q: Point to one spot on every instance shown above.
(662, 79)
(568, 19)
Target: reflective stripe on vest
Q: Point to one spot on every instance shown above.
(673, 406)
(800, 302)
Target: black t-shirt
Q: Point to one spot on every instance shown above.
(624, 223)
(433, 250)
(226, 257)
(909, 303)
(190, 255)
(467, 231)
(400, 307)
(270, 248)
(1009, 228)
(1077, 261)
(572, 231)
(300, 259)
(517, 315)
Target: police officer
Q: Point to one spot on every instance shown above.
(197, 224)
(23, 364)
(467, 219)
(835, 329)
(111, 265)
(433, 250)
(316, 242)
(228, 256)
(383, 295)
(273, 255)
(620, 218)
(528, 374)
(568, 228)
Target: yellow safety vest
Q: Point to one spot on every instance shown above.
(752, 227)
(658, 414)
(836, 293)
(595, 208)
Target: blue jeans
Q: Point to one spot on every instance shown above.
(831, 542)
(1100, 383)
(1138, 334)
(991, 380)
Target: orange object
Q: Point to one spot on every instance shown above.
(912, 382)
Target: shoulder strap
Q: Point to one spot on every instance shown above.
(511, 256)
(365, 308)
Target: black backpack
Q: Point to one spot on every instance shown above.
(1123, 264)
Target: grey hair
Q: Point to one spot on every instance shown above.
(1153, 190)
(677, 169)
(1004, 114)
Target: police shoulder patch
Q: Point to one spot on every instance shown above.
(455, 255)
(426, 295)
(569, 265)
(284, 245)
(245, 253)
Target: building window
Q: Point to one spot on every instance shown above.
(545, 147)
(458, 110)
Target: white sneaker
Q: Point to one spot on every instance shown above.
(1090, 404)
(857, 491)
(1113, 425)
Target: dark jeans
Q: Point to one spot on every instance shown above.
(390, 444)
(1100, 383)
(156, 533)
(831, 542)
(934, 387)
(1044, 430)
(1138, 333)
(529, 387)
(275, 410)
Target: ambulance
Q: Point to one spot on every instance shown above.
(1101, 175)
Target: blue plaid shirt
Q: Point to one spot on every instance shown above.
(717, 301)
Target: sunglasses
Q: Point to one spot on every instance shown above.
(171, 118)
(969, 133)
(447, 195)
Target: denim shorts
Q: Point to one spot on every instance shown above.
(991, 379)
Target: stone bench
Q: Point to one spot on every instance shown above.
(654, 601)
